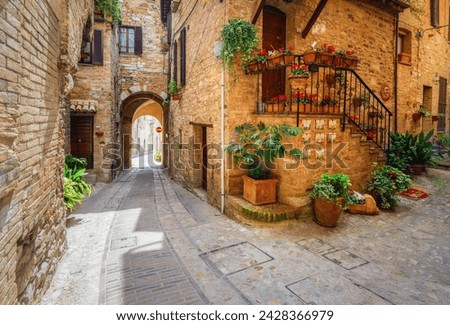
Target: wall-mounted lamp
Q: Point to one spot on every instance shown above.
(420, 33)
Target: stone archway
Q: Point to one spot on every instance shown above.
(135, 105)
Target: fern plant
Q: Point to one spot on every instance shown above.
(75, 187)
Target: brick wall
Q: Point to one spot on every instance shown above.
(32, 212)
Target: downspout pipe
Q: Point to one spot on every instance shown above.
(396, 74)
(222, 139)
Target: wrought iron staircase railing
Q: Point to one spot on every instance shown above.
(364, 110)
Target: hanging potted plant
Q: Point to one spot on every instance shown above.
(257, 148)
(174, 90)
(299, 77)
(238, 40)
(351, 59)
(330, 194)
(325, 55)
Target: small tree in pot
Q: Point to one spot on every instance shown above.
(330, 194)
(258, 147)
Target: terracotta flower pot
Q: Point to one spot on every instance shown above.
(259, 192)
(298, 82)
(309, 57)
(417, 169)
(327, 213)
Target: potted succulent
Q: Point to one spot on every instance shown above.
(174, 90)
(330, 195)
(299, 76)
(387, 182)
(257, 148)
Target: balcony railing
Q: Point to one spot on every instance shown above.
(331, 90)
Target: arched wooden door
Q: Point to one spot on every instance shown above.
(274, 37)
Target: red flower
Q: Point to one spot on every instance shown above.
(331, 48)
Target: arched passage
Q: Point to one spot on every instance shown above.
(134, 106)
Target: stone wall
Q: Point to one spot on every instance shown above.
(95, 83)
(32, 212)
(358, 25)
(149, 70)
(430, 55)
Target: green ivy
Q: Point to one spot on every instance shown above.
(111, 8)
(238, 38)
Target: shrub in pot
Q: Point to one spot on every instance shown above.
(257, 148)
(330, 194)
(386, 183)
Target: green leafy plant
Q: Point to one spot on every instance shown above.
(408, 149)
(75, 187)
(258, 146)
(331, 187)
(173, 87)
(238, 39)
(157, 155)
(423, 111)
(386, 183)
(111, 8)
(299, 70)
(444, 140)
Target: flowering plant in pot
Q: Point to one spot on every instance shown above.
(330, 194)
(174, 90)
(281, 57)
(257, 148)
(351, 59)
(299, 76)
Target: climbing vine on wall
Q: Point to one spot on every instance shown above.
(111, 8)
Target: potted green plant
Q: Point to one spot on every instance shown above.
(422, 153)
(174, 90)
(411, 153)
(299, 76)
(257, 148)
(238, 39)
(330, 195)
(386, 183)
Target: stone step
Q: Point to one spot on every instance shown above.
(90, 177)
(263, 213)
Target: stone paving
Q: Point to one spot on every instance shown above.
(145, 240)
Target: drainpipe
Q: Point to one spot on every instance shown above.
(222, 136)
(396, 74)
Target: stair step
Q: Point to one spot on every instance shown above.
(90, 177)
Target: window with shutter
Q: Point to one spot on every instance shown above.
(97, 57)
(183, 57)
(130, 40)
(434, 13)
(175, 62)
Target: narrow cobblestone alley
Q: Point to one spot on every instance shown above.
(145, 240)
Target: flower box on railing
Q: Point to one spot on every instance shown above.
(275, 107)
(279, 60)
(255, 66)
(329, 109)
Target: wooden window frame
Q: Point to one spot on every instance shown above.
(137, 35)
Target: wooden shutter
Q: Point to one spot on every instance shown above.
(175, 62)
(97, 57)
(434, 13)
(183, 57)
(138, 40)
(169, 28)
(165, 9)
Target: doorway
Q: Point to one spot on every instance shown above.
(81, 138)
(442, 105)
(274, 38)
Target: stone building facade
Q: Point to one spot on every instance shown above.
(366, 27)
(40, 43)
(423, 66)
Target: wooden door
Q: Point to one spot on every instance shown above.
(204, 159)
(81, 138)
(274, 37)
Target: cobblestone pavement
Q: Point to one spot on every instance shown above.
(145, 240)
